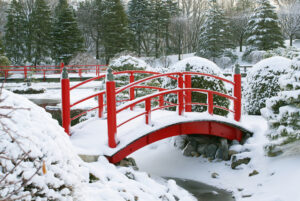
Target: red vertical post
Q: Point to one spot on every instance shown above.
(180, 96)
(100, 104)
(79, 72)
(111, 109)
(25, 72)
(148, 110)
(237, 92)
(210, 103)
(131, 90)
(65, 100)
(161, 100)
(6, 73)
(62, 65)
(188, 94)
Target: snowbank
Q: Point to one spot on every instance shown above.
(67, 177)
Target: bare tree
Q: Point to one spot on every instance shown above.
(289, 18)
(179, 29)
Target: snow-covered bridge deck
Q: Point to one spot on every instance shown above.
(90, 137)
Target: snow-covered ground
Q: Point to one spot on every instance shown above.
(277, 180)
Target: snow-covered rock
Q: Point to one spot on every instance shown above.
(262, 82)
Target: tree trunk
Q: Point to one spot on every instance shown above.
(291, 40)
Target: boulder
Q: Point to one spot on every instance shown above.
(236, 162)
(210, 151)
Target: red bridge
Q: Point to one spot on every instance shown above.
(123, 141)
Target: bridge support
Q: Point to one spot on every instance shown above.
(65, 96)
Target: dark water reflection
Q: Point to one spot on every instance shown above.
(204, 192)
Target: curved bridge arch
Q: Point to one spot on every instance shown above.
(226, 130)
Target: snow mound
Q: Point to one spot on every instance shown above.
(262, 82)
(66, 176)
(197, 64)
(276, 63)
(38, 133)
(129, 60)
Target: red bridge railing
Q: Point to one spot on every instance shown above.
(51, 69)
(183, 92)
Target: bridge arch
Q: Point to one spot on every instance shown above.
(222, 129)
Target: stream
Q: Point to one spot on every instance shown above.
(203, 192)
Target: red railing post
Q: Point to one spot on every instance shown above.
(180, 96)
(237, 93)
(100, 104)
(188, 94)
(111, 109)
(148, 110)
(62, 65)
(5, 73)
(210, 103)
(161, 100)
(79, 72)
(131, 90)
(65, 100)
(25, 72)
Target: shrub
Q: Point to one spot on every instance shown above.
(283, 114)
(198, 64)
(262, 82)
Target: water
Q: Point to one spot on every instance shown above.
(203, 192)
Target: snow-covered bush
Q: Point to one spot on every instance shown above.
(202, 65)
(227, 59)
(4, 61)
(83, 59)
(128, 62)
(262, 82)
(30, 137)
(283, 114)
(289, 52)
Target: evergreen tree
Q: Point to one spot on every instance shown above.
(263, 30)
(214, 38)
(41, 32)
(15, 32)
(139, 21)
(115, 35)
(67, 37)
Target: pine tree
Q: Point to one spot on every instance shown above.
(263, 30)
(139, 21)
(67, 37)
(115, 29)
(15, 32)
(283, 114)
(41, 32)
(214, 38)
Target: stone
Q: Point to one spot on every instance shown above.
(236, 162)
(222, 152)
(202, 139)
(128, 162)
(201, 148)
(234, 142)
(214, 175)
(195, 154)
(255, 172)
(211, 150)
(190, 148)
(231, 153)
(89, 158)
(245, 138)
